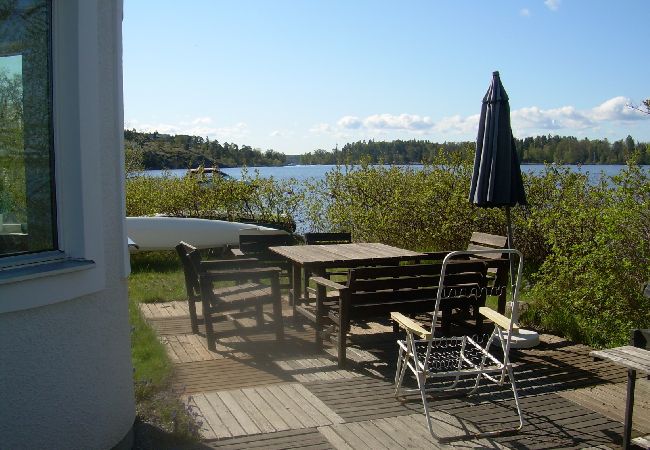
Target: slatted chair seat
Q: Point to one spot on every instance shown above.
(242, 295)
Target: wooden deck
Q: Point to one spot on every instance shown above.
(255, 393)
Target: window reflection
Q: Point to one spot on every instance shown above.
(27, 208)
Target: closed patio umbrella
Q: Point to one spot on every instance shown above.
(496, 180)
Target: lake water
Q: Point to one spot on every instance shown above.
(302, 173)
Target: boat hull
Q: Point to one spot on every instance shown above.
(164, 233)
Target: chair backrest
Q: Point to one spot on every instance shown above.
(640, 338)
(327, 238)
(191, 276)
(448, 264)
(258, 244)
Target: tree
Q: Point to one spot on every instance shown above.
(643, 107)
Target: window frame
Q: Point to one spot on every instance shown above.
(77, 268)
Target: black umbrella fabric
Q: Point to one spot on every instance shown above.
(496, 180)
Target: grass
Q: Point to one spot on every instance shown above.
(167, 421)
(156, 277)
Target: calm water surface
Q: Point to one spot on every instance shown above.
(302, 173)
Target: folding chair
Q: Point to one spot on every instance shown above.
(439, 363)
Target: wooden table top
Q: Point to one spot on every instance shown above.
(342, 253)
(626, 356)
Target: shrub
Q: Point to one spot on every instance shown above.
(425, 209)
(252, 198)
(589, 287)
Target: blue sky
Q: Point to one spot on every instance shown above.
(295, 76)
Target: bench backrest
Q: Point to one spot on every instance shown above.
(641, 339)
(375, 285)
(485, 241)
(258, 244)
(327, 238)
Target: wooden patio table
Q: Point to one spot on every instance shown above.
(318, 258)
(634, 359)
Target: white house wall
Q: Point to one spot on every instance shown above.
(65, 368)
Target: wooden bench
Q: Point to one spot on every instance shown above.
(372, 292)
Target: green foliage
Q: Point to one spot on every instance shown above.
(251, 199)
(419, 209)
(590, 285)
(12, 161)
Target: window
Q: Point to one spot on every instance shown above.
(27, 195)
(66, 57)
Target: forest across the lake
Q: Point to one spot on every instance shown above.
(164, 151)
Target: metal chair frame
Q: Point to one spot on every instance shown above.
(462, 356)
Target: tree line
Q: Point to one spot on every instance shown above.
(164, 151)
(539, 149)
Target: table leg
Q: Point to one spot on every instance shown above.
(294, 295)
(629, 408)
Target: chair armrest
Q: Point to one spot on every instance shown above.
(410, 325)
(498, 319)
(236, 252)
(256, 273)
(328, 283)
(227, 264)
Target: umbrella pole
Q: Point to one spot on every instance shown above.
(510, 245)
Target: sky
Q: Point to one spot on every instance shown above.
(299, 75)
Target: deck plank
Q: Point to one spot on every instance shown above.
(211, 422)
(274, 419)
(306, 438)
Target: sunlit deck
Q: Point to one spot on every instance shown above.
(255, 393)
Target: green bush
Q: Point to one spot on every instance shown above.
(421, 209)
(252, 198)
(590, 286)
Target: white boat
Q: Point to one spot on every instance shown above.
(164, 233)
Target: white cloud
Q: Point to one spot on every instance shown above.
(349, 122)
(408, 122)
(321, 128)
(281, 133)
(525, 12)
(197, 127)
(550, 119)
(457, 125)
(553, 5)
(616, 109)
(525, 122)
(201, 121)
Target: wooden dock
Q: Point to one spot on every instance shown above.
(255, 393)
